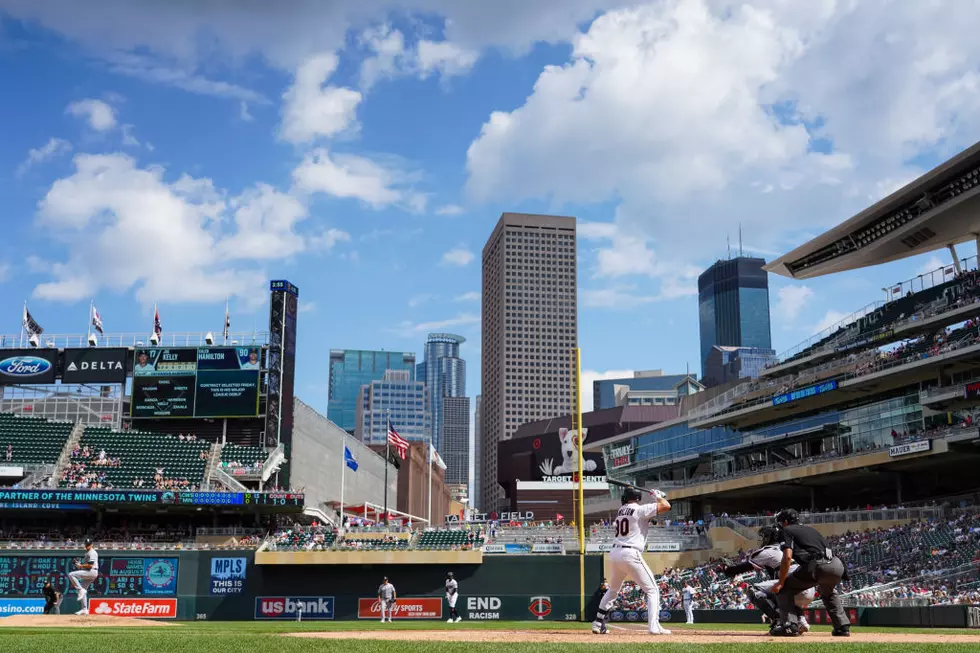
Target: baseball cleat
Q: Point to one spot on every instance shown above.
(458, 619)
(83, 611)
(450, 620)
(804, 626)
(659, 630)
(599, 629)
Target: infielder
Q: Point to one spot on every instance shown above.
(767, 558)
(687, 598)
(387, 598)
(452, 594)
(626, 558)
(85, 574)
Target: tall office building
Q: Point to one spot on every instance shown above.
(398, 398)
(733, 303)
(530, 326)
(475, 487)
(444, 373)
(350, 369)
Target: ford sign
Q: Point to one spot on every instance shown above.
(24, 366)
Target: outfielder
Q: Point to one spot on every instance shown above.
(626, 558)
(85, 574)
(387, 598)
(687, 598)
(767, 558)
(452, 593)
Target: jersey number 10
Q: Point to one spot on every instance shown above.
(622, 527)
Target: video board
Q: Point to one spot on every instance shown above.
(195, 382)
(118, 576)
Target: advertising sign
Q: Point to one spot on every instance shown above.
(556, 457)
(11, 471)
(95, 365)
(544, 547)
(405, 608)
(27, 366)
(118, 575)
(483, 608)
(227, 575)
(142, 608)
(663, 547)
(909, 448)
(803, 393)
(196, 382)
(620, 456)
(494, 548)
(21, 606)
(160, 576)
(316, 608)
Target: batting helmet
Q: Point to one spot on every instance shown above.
(787, 516)
(631, 494)
(449, 575)
(770, 535)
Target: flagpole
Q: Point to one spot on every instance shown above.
(343, 471)
(23, 321)
(91, 306)
(387, 454)
(428, 514)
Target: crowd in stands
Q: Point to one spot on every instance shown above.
(136, 536)
(321, 537)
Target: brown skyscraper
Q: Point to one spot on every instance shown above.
(530, 326)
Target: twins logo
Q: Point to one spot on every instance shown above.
(569, 453)
(540, 606)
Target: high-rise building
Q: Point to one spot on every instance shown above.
(444, 373)
(398, 398)
(726, 364)
(733, 303)
(475, 487)
(350, 369)
(662, 389)
(530, 326)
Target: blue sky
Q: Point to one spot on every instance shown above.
(162, 153)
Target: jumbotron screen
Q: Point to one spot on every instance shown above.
(195, 382)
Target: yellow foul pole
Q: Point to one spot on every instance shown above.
(580, 517)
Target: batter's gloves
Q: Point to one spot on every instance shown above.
(657, 494)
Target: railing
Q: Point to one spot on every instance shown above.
(841, 517)
(187, 545)
(928, 280)
(889, 594)
(817, 337)
(186, 339)
(227, 480)
(230, 531)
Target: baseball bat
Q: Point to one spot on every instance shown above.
(623, 484)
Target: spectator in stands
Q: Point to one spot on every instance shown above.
(10, 452)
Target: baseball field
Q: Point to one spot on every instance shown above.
(35, 634)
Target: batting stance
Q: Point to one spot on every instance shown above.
(626, 558)
(387, 598)
(452, 593)
(767, 558)
(85, 574)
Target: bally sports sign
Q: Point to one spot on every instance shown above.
(405, 608)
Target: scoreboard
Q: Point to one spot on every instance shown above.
(118, 576)
(185, 382)
(65, 499)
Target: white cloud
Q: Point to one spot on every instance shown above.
(444, 58)
(99, 115)
(934, 263)
(412, 329)
(355, 177)
(328, 239)
(831, 318)
(388, 48)
(418, 300)
(128, 137)
(306, 307)
(312, 110)
(790, 300)
(243, 112)
(53, 148)
(589, 376)
(471, 296)
(4, 272)
(450, 209)
(156, 72)
(124, 227)
(459, 256)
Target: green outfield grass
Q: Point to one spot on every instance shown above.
(263, 637)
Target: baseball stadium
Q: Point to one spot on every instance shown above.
(172, 493)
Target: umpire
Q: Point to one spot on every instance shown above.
(52, 599)
(818, 567)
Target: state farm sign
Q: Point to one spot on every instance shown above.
(142, 608)
(423, 608)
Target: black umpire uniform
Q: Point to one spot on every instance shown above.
(819, 568)
(52, 599)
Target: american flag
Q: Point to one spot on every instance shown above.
(157, 326)
(397, 441)
(97, 320)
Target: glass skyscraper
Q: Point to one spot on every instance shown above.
(444, 373)
(396, 397)
(733, 304)
(350, 369)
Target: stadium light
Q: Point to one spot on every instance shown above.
(34, 340)
(209, 338)
(92, 340)
(154, 340)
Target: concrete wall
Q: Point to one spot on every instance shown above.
(317, 457)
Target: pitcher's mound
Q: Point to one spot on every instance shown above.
(74, 621)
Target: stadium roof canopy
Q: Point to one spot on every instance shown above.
(940, 208)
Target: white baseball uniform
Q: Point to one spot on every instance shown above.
(386, 594)
(687, 598)
(626, 560)
(769, 558)
(452, 592)
(82, 579)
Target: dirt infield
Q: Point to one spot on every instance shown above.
(75, 621)
(628, 634)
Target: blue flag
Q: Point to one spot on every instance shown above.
(349, 459)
